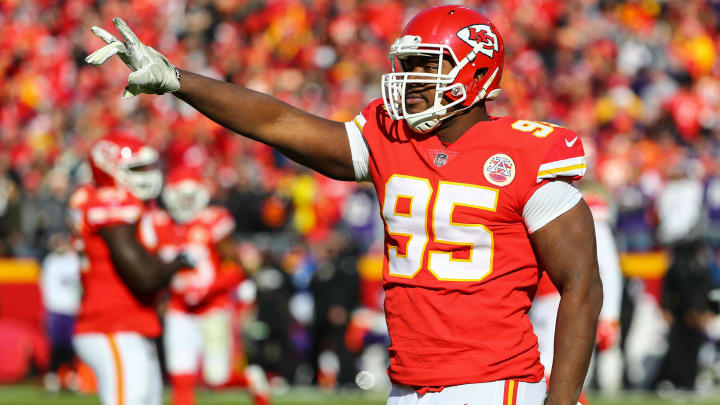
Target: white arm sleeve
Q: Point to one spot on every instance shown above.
(359, 150)
(549, 202)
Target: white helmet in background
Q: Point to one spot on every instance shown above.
(120, 159)
(185, 194)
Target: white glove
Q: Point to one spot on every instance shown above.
(152, 72)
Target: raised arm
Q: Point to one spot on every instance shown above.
(312, 141)
(315, 142)
(566, 249)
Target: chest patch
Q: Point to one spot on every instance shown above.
(499, 169)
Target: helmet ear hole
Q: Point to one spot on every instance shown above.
(480, 73)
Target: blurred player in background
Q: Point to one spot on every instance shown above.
(198, 322)
(117, 320)
(545, 305)
(609, 356)
(472, 206)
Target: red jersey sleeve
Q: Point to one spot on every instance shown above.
(564, 158)
(220, 223)
(552, 153)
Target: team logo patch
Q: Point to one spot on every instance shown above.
(499, 169)
(480, 34)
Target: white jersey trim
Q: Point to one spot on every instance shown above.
(549, 202)
(490, 393)
(358, 148)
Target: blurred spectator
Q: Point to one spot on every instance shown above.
(271, 333)
(685, 300)
(9, 216)
(688, 281)
(681, 213)
(335, 288)
(61, 290)
(712, 202)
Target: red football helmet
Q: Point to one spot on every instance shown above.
(473, 45)
(122, 160)
(185, 194)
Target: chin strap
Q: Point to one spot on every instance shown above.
(423, 124)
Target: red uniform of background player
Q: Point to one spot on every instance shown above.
(198, 322)
(104, 291)
(117, 320)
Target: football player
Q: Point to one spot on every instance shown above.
(117, 320)
(472, 204)
(198, 321)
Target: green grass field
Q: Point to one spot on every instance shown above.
(33, 395)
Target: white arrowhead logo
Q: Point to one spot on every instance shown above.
(481, 38)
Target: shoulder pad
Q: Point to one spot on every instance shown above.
(113, 205)
(79, 197)
(554, 150)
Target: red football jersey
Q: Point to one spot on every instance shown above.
(459, 270)
(206, 286)
(107, 305)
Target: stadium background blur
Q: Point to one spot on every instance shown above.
(638, 80)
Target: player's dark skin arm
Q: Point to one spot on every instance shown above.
(141, 271)
(566, 249)
(312, 141)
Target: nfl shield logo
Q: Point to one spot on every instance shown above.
(440, 159)
(499, 169)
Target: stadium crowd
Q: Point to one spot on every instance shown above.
(638, 80)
